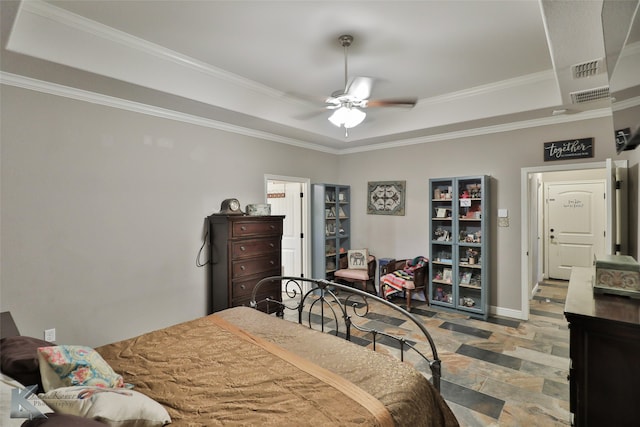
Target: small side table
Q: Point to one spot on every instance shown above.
(381, 263)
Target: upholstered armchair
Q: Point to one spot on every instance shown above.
(405, 275)
(361, 274)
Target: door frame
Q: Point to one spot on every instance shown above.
(528, 221)
(305, 184)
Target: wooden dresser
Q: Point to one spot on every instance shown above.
(604, 377)
(244, 250)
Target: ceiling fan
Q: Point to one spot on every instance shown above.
(348, 103)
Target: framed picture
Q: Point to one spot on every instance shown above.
(386, 197)
(465, 278)
(442, 213)
(446, 275)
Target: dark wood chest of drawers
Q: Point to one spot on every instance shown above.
(604, 376)
(244, 250)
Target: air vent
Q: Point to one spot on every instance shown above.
(587, 69)
(590, 95)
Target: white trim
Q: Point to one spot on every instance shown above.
(124, 104)
(151, 110)
(507, 312)
(487, 130)
(535, 289)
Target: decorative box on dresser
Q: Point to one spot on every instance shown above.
(604, 376)
(244, 250)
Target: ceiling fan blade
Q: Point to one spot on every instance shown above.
(359, 87)
(403, 102)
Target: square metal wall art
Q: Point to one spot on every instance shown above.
(386, 197)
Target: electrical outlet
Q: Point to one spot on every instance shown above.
(50, 335)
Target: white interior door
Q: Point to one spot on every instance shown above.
(285, 199)
(575, 225)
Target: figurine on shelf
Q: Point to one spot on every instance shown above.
(442, 235)
(439, 294)
(468, 302)
(472, 254)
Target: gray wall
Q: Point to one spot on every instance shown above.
(500, 155)
(103, 212)
(103, 209)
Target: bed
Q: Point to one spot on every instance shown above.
(241, 366)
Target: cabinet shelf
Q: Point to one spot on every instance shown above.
(459, 274)
(467, 265)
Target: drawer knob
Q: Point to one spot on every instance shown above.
(243, 228)
(272, 245)
(242, 267)
(273, 227)
(242, 248)
(272, 262)
(242, 287)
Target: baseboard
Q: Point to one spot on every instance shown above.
(534, 290)
(507, 312)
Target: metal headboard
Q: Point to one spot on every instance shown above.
(322, 297)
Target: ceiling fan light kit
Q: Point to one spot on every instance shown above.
(347, 102)
(347, 117)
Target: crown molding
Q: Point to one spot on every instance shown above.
(123, 104)
(487, 130)
(151, 110)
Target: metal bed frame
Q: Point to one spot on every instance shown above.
(341, 304)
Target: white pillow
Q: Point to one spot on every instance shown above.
(7, 384)
(117, 407)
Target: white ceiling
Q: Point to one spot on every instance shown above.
(267, 65)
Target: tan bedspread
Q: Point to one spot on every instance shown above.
(205, 376)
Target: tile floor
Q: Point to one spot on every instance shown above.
(508, 372)
(499, 372)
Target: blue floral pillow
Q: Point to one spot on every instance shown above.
(71, 365)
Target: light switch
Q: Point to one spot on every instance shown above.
(503, 213)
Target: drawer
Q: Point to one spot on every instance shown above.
(250, 248)
(257, 228)
(243, 288)
(246, 301)
(260, 265)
